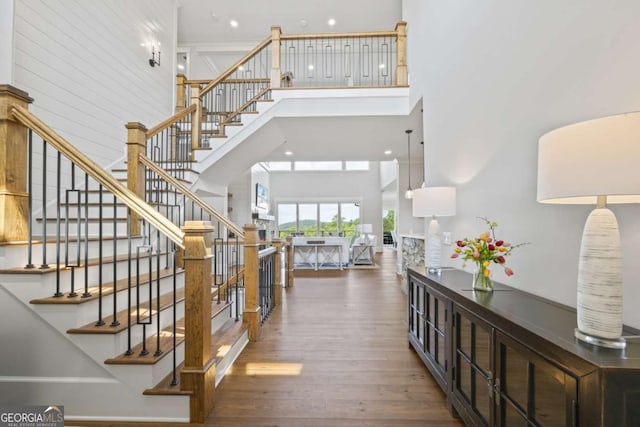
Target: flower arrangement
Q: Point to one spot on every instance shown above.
(483, 251)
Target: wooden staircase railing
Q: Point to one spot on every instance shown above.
(52, 195)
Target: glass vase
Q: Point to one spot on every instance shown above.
(480, 281)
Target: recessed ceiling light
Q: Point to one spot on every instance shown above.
(241, 68)
(288, 153)
(180, 67)
(387, 152)
(303, 23)
(233, 23)
(331, 22)
(381, 66)
(310, 67)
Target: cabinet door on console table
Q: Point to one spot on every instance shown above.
(531, 390)
(472, 393)
(428, 328)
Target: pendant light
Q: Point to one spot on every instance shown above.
(424, 182)
(409, 193)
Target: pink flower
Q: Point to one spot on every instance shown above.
(506, 245)
(492, 248)
(501, 260)
(489, 240)
(459, 243)
(508, 271)
(454, 255)
(476, 254)
(499, 243)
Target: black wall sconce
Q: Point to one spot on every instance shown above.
(153, 61)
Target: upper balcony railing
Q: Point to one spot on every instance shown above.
(327, 60)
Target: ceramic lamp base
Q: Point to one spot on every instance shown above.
(599, 302)
(434, 246)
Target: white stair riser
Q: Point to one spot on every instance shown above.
(74, 211)
(44, 284)
(16, 256)
(231, 356)
(104, 346)
(120, 228)
(67, 316)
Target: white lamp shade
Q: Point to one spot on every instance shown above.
(600, 157)
(434, 201)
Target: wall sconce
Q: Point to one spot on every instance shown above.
(153, 61)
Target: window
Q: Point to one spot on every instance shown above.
(318, 219)
(356, 166)
(308, 219)
(278, 166)
(329, 219)
(317, 166)
(287, 219)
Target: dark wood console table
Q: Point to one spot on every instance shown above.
(509, 358)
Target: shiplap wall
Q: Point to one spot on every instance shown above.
(83, 63)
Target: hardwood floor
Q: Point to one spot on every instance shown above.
(334, 354)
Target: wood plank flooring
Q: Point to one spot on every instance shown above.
(334, 354)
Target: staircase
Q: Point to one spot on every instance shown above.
(126, 297)
(103, 290)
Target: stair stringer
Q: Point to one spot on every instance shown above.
(260, 135)
(42, 366)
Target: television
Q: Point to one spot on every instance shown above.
(262, 197)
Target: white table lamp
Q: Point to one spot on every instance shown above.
(595, 162)
(433, 202)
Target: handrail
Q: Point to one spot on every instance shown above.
(267, 251)
(166, 123)
(338, 35)
(184, 190)
(246, 104)
(132, 201)
(234, 67)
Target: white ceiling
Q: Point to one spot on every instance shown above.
(206, 23)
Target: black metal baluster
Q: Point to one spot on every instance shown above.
(174, 379)
(129, 351)
(100, 322)
(44, 206)
(158, 351)
(86, 293)
(30, 201)
(58, 293)
(115, 321)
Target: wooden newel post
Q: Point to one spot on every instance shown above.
(198, 375)
(276, 32)
(289, 262)
(14, 199)
(402, 78)
(251, 315)
(181, 102)
(277, 243)
(196, 116)
(136, 145)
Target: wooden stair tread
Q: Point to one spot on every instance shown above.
(166, 301)
(52, 268)
(107, 289)
(227, 335)
(37, 240)
(166, 342)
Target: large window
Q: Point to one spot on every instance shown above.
(318, 219)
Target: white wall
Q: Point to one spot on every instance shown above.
(6, 41)
(351, 186)
(84, 65)
(407, 223)
(496, 75)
